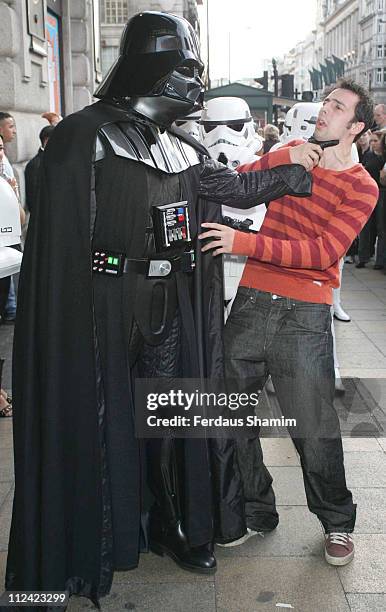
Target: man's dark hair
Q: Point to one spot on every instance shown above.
(5, 116)
(46, 133)
(364, 109)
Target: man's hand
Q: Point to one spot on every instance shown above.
(223, 238)
(307, 155)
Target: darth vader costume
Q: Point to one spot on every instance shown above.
(109, 292)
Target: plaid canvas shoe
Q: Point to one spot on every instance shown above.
(339, 548)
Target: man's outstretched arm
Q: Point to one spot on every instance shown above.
(267, 180)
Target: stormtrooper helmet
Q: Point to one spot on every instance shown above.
(227, 131)
(300, 121)
(190, 124)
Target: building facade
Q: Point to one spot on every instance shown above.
(115, 13)
(350, 38)
(49, 60)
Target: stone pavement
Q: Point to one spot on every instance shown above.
(284, 570)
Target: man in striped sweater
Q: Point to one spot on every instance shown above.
(280, 322)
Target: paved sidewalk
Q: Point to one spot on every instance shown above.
(285, 570)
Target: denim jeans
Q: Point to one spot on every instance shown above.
(291, 340)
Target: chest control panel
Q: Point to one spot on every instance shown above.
(171, 225)
(107, 262)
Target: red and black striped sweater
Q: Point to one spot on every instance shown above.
(297, 250)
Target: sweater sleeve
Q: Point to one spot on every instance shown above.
(272, 159)
(321, 252)
(280, 157)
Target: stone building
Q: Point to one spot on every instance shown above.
(49, 60)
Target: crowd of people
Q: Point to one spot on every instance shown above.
(132, 289)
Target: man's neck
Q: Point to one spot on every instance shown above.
(337, 158)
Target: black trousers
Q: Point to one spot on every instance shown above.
(291, 340)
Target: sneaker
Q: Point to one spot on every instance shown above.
(339, 548)
(250, 533)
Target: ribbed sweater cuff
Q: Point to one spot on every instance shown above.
(247, 244)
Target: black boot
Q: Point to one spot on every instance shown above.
(171, 540)
(167, 534)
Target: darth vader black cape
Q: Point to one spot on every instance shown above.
(79, 482)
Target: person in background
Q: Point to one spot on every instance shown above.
(372, 161)
(382, 174)
(5, 399)
(8, 132)
(380, 117)
(33, 167)
(52, 118)
(382, 183)
(271, 136)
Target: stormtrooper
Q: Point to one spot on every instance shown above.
(10, 230)
(190, 124)
(300, 121)
(227, 131)
(114, 287)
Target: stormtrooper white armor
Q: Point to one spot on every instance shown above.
(10, 230)
(227, 131)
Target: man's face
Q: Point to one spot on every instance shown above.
(8, 129)
(380, 115)
(375, 144)
(335, 119)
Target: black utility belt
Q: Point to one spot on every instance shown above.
(112, 263)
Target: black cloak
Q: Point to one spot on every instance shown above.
(75, 520)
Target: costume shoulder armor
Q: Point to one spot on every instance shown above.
(147, 144)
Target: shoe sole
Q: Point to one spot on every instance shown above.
(239, 541)
(338, 560)
(160, 550)
(343, 320)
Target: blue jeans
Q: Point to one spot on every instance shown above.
(291, 340)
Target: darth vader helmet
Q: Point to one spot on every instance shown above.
(158, 71)
(228, 132)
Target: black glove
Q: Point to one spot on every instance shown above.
(245, 189)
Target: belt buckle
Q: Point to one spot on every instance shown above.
(159, 268)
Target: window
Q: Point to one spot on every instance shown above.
(116, 11)
(379, 51)
(108, 56)
(379, 75)
(384, 75)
